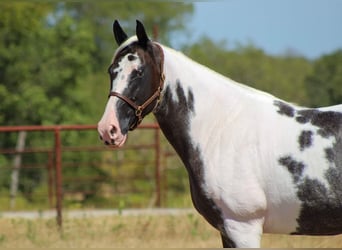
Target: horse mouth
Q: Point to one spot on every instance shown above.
(114, 143)
(117, 143)
(120, 142)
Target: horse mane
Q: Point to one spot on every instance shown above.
(226, 79)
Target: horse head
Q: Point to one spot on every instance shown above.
(136, 81)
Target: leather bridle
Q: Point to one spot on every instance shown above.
(140, 108)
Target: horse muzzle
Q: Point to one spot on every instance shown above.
(109, 128)
(111, 135)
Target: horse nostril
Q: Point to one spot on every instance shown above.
(112, 131)
(113, 141)
(101, 138)
(106, 142)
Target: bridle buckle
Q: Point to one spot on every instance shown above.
(138, 111)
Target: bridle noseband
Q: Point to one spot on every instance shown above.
(140, 108)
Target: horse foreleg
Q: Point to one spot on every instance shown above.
(242, 234)
(226, 241)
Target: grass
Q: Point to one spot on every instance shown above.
(187, 230)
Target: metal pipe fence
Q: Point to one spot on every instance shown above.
(56, 167)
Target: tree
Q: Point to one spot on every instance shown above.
(42, 63)
(165, 16)
(324, 84)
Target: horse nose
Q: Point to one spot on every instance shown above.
(108, 134)
(113, 130)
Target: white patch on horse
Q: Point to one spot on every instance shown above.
(124, 70)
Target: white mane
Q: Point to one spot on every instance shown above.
(219, 77)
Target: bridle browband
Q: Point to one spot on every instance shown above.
(156, 96)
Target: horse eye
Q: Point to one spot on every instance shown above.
(140, 73)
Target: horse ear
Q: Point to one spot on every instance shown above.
(141, 34)
(119, 35)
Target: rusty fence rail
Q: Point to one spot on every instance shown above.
(55, 153)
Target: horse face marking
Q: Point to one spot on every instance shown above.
(118, 115)
(134, 73)
(137, 87)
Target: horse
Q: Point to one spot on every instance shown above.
(256, 163)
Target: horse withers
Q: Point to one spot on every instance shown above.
(255, 162)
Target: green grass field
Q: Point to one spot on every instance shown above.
(187, 230)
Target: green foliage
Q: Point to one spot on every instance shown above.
(168, 17)
(324, 84)
(41, 66)
(282, 76)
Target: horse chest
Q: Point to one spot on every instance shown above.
(203, 203)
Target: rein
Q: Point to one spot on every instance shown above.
(156, 96)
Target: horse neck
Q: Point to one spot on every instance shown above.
(196, 102)
(211, 91)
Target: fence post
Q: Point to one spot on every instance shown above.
(50, 178)
(158, 167)
(58, 169)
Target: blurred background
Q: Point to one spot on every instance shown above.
(53, 70)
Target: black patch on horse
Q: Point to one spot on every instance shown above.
(174, 120)
(328, 122)
(321, 204)
(305, 139)
(294, 167)
(321, 207)
(284, 108)
(305, 116)
(330, 154)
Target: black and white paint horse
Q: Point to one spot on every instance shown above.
(255, 163)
